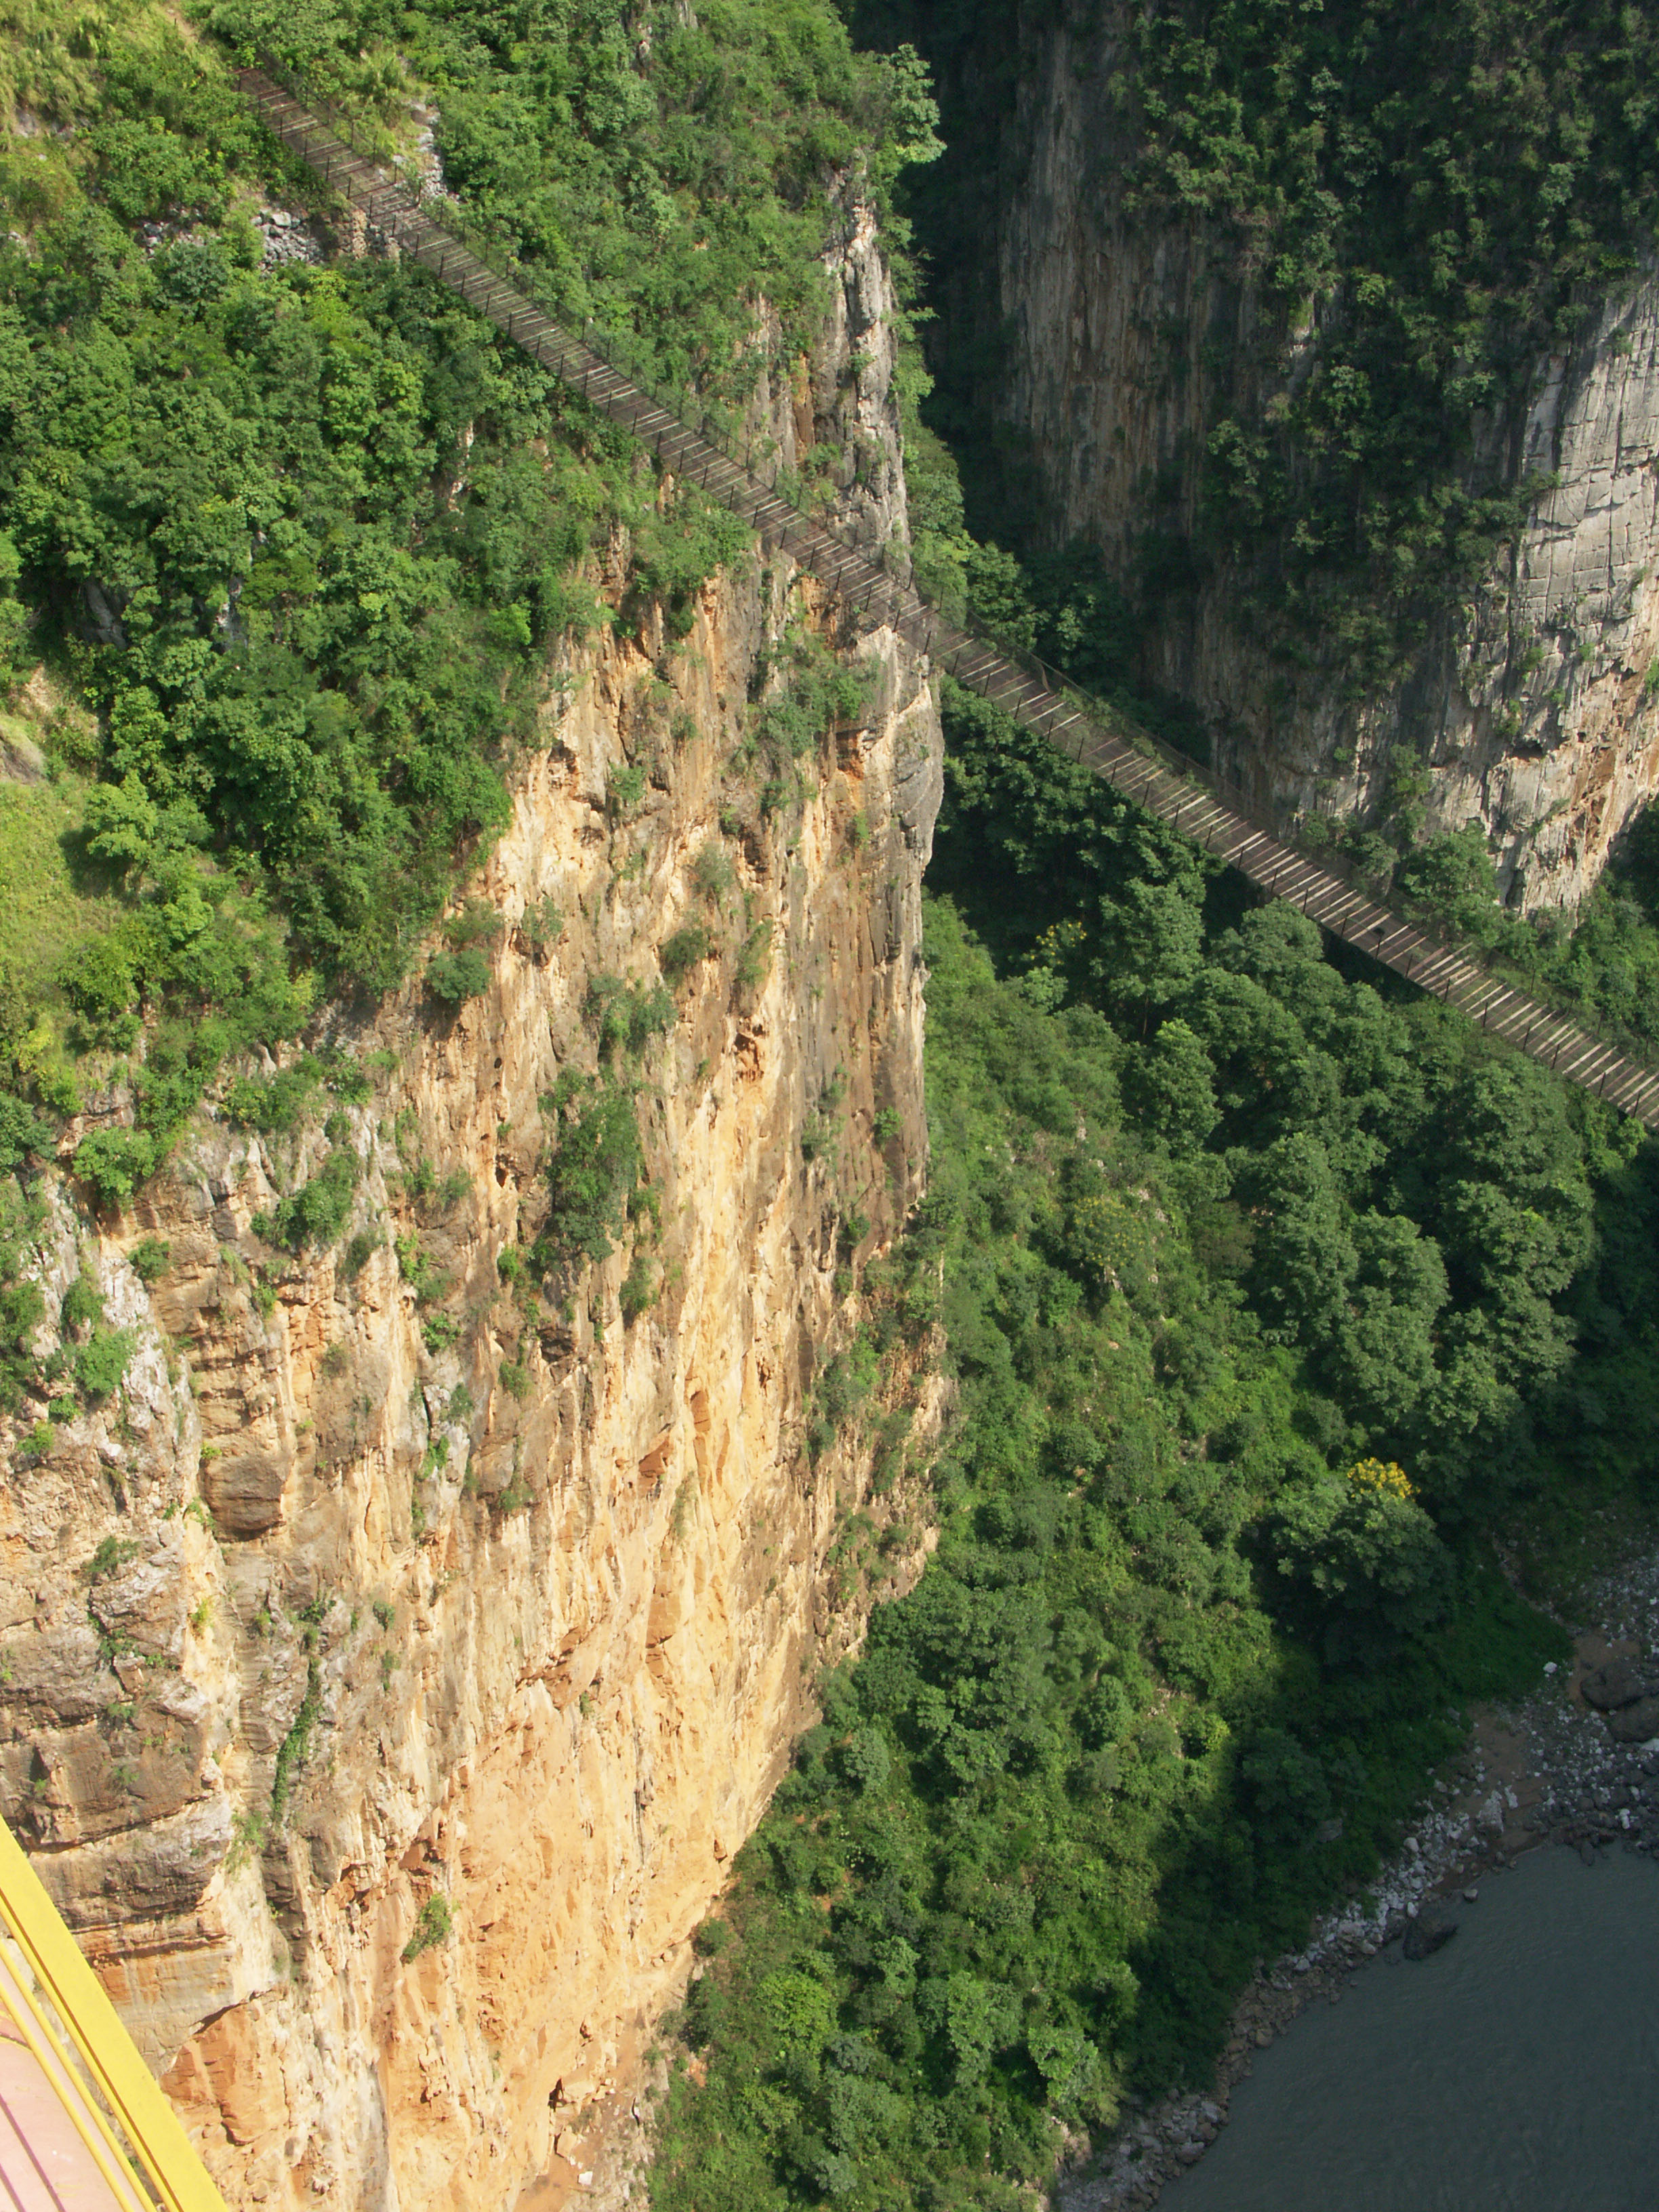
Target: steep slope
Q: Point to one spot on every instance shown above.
(395, 1658)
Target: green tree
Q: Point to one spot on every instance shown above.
(1365, 1548)
(1151, 944)
(1170, 1086)
(1305, 1256)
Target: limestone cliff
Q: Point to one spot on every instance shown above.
(389, 1668)
(1127, 338)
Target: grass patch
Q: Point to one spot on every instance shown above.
(52, 900)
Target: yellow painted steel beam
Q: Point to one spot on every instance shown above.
(178, 2179)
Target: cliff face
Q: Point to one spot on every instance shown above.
(1527, 710)
(389, 1670)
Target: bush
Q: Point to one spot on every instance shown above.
(543, 925)
(681, 952)
(102, 1361)
(439, 1331)
(711, 1937)
(477, 923)
(712, 874)
(22, 1131)
(593, 1172)
(639, 1289)
(150, 1258)
(351, 1082)
(112, 1555)
(754, 961)
(357, 1252)
(81, 1305)
(100, 983)
(317, 1213)
(114, 1161)
(628, 1015)
(455, 976)
(276, 1105)
(626, 788)
(418, 1270)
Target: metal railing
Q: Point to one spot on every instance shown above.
(698, 446)
(83, 2126)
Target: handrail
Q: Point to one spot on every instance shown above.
(156, 2166)
(698, 448)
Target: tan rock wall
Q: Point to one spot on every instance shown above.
(374, 1623)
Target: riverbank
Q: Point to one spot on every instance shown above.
(1511, 2073)
(1553, 1768)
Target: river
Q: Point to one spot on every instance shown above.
(1515, 2071)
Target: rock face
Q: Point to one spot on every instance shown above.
(389, 1671)
(1619, 1682)
(1434, 1927)
(1529, 709)
(1637, 1722)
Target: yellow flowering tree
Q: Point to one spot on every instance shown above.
(1363, 1549)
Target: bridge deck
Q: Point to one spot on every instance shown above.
(1222, 820)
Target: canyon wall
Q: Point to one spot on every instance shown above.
(1127, 337)
(389, 1668)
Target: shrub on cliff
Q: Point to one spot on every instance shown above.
(628, 1015)
(432, 1925)
(101, 1361)
(594, 1170)
(679, 954)
(316, 1214)
(22, 1302)
(22, 1131)
(454, 977)
(114, 1161)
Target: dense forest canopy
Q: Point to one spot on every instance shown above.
(1271, 1290)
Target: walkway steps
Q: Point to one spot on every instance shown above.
(1222, 820)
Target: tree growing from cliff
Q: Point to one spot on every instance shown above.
(594, 1170)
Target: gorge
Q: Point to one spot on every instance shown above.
(1382, 504)
(489, 1306)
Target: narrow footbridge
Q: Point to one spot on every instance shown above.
(694, 448)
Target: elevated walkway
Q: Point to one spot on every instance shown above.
(694, 448)
(83, 2126)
